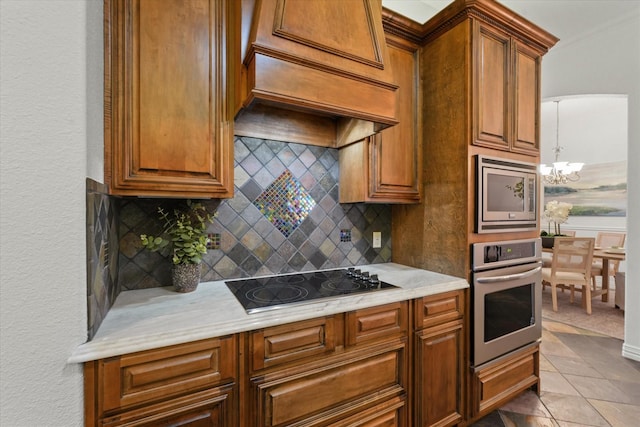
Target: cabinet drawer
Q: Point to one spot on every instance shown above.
(294, 341)
(323, 395)
(499, 381)
(391, 413)
(436, 309)
(368, 324)
(153, 375)
(211, 407)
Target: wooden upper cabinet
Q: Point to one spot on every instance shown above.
(506, 91)
(169, 98)
(384, 167)
(491, 85)
(526, 134)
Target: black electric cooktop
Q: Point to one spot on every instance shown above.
(270, 293)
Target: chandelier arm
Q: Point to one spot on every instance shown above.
(557, 149)
(560, 172)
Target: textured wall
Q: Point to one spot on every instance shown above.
(43, 108)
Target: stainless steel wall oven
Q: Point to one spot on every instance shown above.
(506, 296)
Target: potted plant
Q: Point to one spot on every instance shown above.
(185, 233)
(557, 213)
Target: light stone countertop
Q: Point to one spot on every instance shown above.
(157, 317)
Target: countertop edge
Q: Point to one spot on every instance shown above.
(110, 345)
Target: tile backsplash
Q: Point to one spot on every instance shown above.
(102, 254)
(284, 217)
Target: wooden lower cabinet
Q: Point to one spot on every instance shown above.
(192, 384)
(291, 342)
(440, 375)
(213, 407)
(358, 368)
(439, 360)
(497, 382)
(346, 386)
(349, 369)
(371, 324)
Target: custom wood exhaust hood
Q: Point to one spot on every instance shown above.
(314, 71)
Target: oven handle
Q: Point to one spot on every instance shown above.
(508, 276)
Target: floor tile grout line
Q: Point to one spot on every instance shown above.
(585, 398)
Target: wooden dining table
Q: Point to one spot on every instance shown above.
(606, 255)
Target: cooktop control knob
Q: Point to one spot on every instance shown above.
(373, 280)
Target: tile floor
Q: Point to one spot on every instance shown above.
(584, 379)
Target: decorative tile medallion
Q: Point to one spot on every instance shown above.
(214, 241)
(285, 203)
(345, 235)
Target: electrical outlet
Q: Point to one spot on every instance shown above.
(377, 239)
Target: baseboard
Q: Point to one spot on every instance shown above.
(631, 352)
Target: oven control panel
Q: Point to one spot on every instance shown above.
(496, 254)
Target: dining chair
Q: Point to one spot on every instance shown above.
(546, 262)
(571, 268)
(606, 240)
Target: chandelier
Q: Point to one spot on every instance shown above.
(560, 172)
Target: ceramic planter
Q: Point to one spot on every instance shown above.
(547, 241)
(185, 277)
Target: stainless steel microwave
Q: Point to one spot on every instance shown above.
(506, 195)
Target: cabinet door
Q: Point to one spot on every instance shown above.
(384, 168)
(491, 85)
(439, 372)
(393, 153)
(168, 97)
(526, 77)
